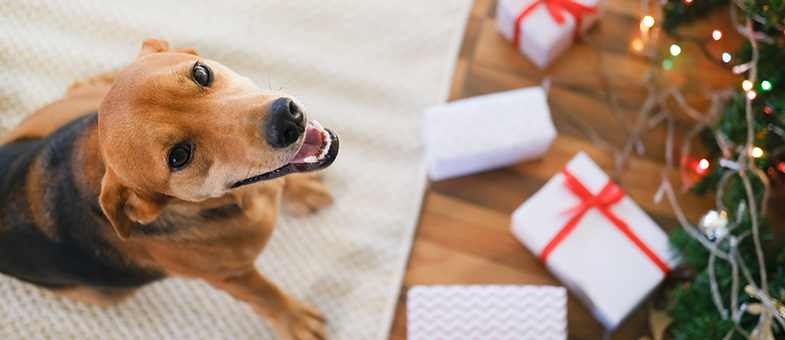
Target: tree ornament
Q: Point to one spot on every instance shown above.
(714, 224)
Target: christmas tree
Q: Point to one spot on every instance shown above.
(737, 286)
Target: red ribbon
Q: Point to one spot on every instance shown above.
(608, 196)
(576, 10)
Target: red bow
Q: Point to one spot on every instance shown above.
(608, 196)
(555, 7)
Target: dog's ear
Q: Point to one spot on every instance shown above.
(150, 46)
(124, 206)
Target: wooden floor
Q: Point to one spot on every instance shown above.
(463, 236)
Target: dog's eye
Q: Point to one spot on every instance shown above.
(179, 156)
(203, 75)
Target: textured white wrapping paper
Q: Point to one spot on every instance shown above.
(542, 39)
(486, 312)
(487, 132)
(596, 261)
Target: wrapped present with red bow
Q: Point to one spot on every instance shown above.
(543, 29)
(595, 240)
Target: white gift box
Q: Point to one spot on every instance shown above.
(598, 260)
(487, 132)
(541, 37)
(486, 312)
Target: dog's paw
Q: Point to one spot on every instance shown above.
(305, 193)
(302, 321)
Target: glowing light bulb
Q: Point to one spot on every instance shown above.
(767, 110)
(702, 166)
(688, 1)
(648, 21)
(757, 152)
(746, 85)
(667, 64)
(765, 85)
(723, 214)
(675, 50)
(781, 166)
(716, 35)
(726, 57)
(751, 95)
(637, 45)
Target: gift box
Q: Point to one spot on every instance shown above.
(595, 240)
(543, 29)
(486, 132)
(486, 312)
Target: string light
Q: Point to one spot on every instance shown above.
(667, 64)
(702, 166)
(757, 152)
(765, 85)
(751, 95)
(767, 109)
(770, 171)
(716, 35)
(637, 45)
(746, 85)
(675, 50)
(781, 166)
(648, 21)
(688, 1)
(726, 57)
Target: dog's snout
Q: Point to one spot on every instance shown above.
(285, 123)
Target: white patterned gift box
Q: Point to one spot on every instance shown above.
(595, 240)
(487, 132)
(486, 312)
(543, 29)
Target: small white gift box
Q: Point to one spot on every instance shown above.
(543, 29)
(487, 132)
(486, 312)
(595, 240)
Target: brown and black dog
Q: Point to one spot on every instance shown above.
(161, 181)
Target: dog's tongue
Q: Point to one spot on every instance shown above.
(312, 145)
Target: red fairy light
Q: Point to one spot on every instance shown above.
(781, 166)
(767, 110)
(703, 165)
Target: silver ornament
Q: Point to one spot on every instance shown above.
(713, 224)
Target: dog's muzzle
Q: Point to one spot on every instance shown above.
(318, 151)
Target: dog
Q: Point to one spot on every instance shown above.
(178, 171)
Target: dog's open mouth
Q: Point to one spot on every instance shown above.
(318, 151)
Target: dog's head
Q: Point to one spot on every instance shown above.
(175, 125)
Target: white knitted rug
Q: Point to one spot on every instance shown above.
(364, 68)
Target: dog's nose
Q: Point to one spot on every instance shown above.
(284, 124)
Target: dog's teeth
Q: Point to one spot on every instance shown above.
(326, 149)
(317, 126)
(310, 159)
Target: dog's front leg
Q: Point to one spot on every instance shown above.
(305, 193)
(292, 319)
